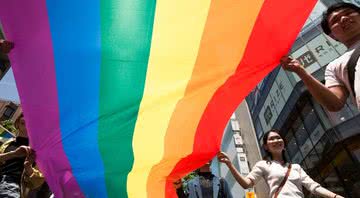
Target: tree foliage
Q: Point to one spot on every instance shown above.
(9, 125)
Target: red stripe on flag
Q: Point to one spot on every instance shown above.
(271, 38)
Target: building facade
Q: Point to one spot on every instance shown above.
(4, 60)
(325, 144)
(9, 110)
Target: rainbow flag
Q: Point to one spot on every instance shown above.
(122, 97)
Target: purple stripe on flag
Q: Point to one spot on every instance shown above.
(26, 24)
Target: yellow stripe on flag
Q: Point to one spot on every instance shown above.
(174, 48)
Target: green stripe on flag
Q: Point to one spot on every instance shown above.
(126, 29)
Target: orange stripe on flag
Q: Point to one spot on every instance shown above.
(226, 34)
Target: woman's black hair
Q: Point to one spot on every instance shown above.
(324, 22)
(268, 157)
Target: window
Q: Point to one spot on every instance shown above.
(321, 113)
(297, 123)
(301, 135)
(306, 147)
(317, 133)
(333, 183)
(310, 118)
(320, 148)
(347, 169)
(258, 128)
(312, 159)
(338, 117)
(250, 100)
(268, 115)
(298, 158)
(303, 165)
(9, 111)
(353, 108)
(292, 147)
(289, 136)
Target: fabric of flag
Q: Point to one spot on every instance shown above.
(122, 97)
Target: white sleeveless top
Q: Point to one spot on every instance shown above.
(273, 173)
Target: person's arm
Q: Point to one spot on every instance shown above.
(22, 151)
(323, 192)
(332, 98)
(315, 187)
(243, 181)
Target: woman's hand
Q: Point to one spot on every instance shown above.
(243, 181)
(224, 158)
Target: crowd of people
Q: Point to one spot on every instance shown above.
(20, 177)
(341, 22)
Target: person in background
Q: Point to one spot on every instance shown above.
(284, 179)
(341, 22)
(204, 185)
(13, 154)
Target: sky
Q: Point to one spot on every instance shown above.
(8, 89)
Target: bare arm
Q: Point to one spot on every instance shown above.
(323, 192)
(6, 156)
(315, 187)
(243, 181)
(332, 98)
(19, 152)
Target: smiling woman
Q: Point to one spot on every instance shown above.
(283, 178)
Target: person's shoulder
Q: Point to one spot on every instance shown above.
(336, 63)
(296, 166)
(263, 163)
(339, 61)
